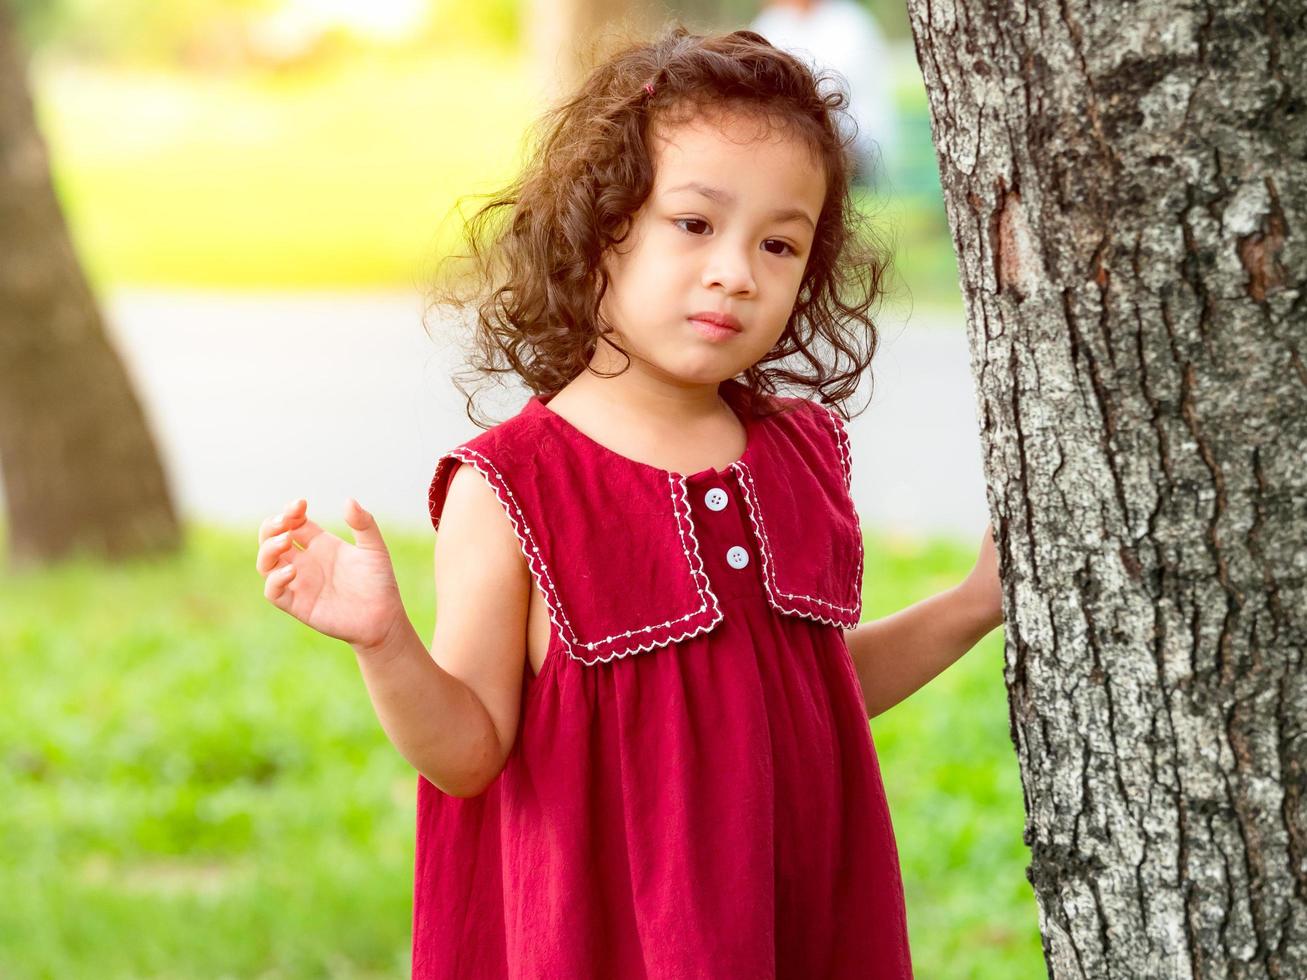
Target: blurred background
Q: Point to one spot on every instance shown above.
(248, 199)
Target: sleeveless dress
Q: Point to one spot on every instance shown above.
(694, 790)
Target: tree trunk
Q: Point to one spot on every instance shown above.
(1127, 193)
(81, 471)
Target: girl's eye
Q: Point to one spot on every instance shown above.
(786, 247)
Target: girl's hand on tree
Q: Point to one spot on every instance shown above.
(344, 590)
(982, 584)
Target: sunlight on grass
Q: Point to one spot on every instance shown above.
(196, 784)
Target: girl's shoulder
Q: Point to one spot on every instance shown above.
(811, 434)
(500, 454)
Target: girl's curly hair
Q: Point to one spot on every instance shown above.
(536, 281)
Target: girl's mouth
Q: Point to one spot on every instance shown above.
(713, 331)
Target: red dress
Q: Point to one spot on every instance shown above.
(693, 791)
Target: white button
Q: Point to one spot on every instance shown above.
(737, 557)
(715, 499)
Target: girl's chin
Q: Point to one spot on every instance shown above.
(708, 367)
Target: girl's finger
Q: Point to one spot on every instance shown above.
(271, 588)
(292, 516)
(270, 551)
(289, 517)
(302, 530)
(277, 581)
(270, 526)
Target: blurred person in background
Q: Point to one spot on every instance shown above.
(844, 36)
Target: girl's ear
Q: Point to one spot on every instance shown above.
(597, 278)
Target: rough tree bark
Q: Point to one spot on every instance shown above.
(1127, 190)
(81, 471)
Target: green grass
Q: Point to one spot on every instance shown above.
(195, 785)
(954, 789)
(342, 176)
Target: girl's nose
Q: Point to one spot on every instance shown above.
(730, 269)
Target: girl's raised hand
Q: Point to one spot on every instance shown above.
(347, 591)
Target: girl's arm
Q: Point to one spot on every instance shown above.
(434, 719)
(453, 712)
(899, 654)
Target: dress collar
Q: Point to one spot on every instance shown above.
(732, 392)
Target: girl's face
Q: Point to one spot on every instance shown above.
(727, 229)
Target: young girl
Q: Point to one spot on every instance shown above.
(641, 729)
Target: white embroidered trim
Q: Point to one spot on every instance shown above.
(841, 442)
(684, 525)
(768, 579)
(540, 571)
(846, 457)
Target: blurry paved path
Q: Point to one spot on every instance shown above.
(258, 398)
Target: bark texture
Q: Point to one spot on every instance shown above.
(1127, 190)
(81, 470)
